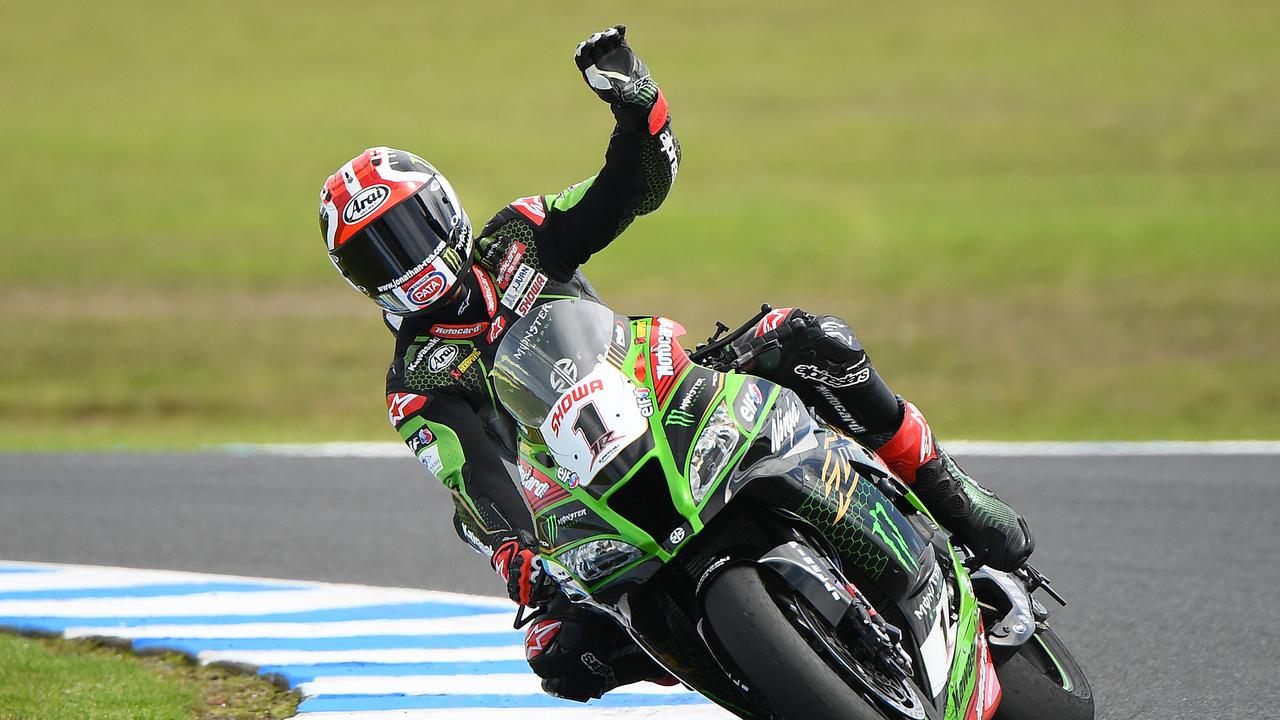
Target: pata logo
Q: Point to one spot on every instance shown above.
(363, 203)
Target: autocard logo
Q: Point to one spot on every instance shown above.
(534, 486)
(442, 358)
(570, 398)
(428, 288)
(663, 366)
(363, 203)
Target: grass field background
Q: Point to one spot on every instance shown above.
(1055, 221)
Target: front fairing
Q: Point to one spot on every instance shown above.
(606, 456)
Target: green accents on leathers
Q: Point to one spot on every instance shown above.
(572, 194)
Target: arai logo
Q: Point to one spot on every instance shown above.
(442, 358)
(365, 202)
(428, 288)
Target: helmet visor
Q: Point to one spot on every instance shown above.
(399, 259)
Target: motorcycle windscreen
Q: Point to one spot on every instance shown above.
(552, 375)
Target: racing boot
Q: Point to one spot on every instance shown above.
(974, 515)
(580, 653)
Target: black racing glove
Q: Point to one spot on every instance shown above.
(521, 569)
(613, 71)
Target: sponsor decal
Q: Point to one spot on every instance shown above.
(510, 261)
(532, 485)
(487, 291)
(847, 378)
(422, 354)
(752, 399)
(495, 329)
(681, 418)
(663, 367)
(567, 477)
(532, 208)
(420, 440)
(838, 478)
(531, 295)
(474, 541)
(539, 637)
(783, 424)
(644, 401)
(669, 149)
(469, 360)
(519, 283)
(619, 335)
(538, 488)
(531, 332)
(837, 331)
(401, 405)
(429, 288)
(570, 398)
(889, 531)
(929, 599)
(458, 331)
(564, 373)
(771, 321)
(431, 458)
(552, 523)
(839, 409)
(363, 203)
(691, 395)
(442, 358)
(676, 536)
(407, 276)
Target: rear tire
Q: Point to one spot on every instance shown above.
(1043, 682)
(775, 660)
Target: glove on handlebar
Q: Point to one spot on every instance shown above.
(521, 570)
(614, 71)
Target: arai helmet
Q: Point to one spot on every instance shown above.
(395, 230)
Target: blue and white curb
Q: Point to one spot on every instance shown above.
(354, 652)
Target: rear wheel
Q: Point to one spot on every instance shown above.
(1043, 682)
(776, 659)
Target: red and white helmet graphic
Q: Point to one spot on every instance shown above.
(395, 229)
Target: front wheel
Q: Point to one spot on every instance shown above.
(1043, 682)
(772, 655)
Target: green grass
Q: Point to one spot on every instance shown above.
(1046, 221)
(44, 679)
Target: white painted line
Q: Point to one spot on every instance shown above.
(474, 624)
(214, 604)
(495, 684)
(687, 712)
(1112, 449)
(381, 657)
(110, 578)
(396, 450)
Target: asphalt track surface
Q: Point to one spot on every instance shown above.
(1170, 564)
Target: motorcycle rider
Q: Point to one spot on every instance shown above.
(395, 229)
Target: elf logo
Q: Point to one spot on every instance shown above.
(363, 203)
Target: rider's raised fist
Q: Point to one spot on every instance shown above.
(613, 71)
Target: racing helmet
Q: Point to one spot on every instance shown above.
(396, 231)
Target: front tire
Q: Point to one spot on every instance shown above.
(1043, 682)
(772, 655)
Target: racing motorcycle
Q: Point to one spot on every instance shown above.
(765, 559)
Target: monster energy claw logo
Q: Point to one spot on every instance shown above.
(551, 528)
(681, 418)
(889, 531)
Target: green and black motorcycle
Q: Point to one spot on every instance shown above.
(766, 560)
